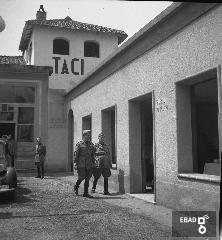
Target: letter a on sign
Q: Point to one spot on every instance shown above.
(65, 68)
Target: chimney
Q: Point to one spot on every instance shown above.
(41, 14)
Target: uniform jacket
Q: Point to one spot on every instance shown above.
(84, 155)
(40, 152)
(102, 156)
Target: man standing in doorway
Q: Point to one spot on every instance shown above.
(11, 150)
(102, 164)
(83, 162)
(40, 153)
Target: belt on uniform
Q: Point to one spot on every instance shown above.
(100, 154)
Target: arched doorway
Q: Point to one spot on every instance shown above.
(70, 140)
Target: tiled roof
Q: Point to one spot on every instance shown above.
(21, 68)
(66, 23)
(12, 60)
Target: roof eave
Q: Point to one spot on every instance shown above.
(29, 28)
(174, 8)
(19, 68)
(23, 45)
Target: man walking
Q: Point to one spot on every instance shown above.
(83, 162)
(40, 153)
(102, 164)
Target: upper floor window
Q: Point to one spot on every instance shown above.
(60, 46)
(91, 49)
(17, 94)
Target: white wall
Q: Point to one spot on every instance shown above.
(195, 49)
(43, 52)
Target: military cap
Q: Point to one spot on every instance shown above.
(84, 132)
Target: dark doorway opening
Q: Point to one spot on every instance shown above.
(147, 146)
(7, 128)
(109, 129)
(87, 123)
(142, 146)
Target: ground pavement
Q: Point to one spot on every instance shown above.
(49, 209)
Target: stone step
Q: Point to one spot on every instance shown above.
(25, 154)
(28, 147)
(24, 163)
(25, 144)
(25, 170)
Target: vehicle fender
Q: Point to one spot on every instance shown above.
(11, 177)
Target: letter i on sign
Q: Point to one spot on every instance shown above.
(82, 66)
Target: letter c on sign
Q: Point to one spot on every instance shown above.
(73, 67)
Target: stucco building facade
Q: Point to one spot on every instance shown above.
(72, 49)
(156, 100)
(24, 107)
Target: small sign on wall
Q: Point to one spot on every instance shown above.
(75, 66)
(161, 105)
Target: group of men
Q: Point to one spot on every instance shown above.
(90, 159)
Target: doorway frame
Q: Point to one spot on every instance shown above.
(104, 111)
(135, 158)
(70, 140)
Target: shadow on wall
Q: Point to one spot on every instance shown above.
(121, 181)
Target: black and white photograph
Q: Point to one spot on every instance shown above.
(110, 120)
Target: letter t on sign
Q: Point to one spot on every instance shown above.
(56, 63)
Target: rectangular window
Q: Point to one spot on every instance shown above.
(25, 115)
(87, 123)
(6, 116)
(7, 94)
(25, 124)
(25, 133)
(17, 94)
(205, 124)
(109, 130)
(25, 94)
(197, 125)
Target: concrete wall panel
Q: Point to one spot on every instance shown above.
(190, 51)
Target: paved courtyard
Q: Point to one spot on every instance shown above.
(48, 209)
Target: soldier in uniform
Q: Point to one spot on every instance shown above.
(83, 162)
(40, 153)
(102, 164)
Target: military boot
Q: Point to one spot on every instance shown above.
(76, 189)
(106, 192)
(86, 193)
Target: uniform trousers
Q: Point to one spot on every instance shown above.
(105, 172)
(84, 173)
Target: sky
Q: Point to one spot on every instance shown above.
(129, 16)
